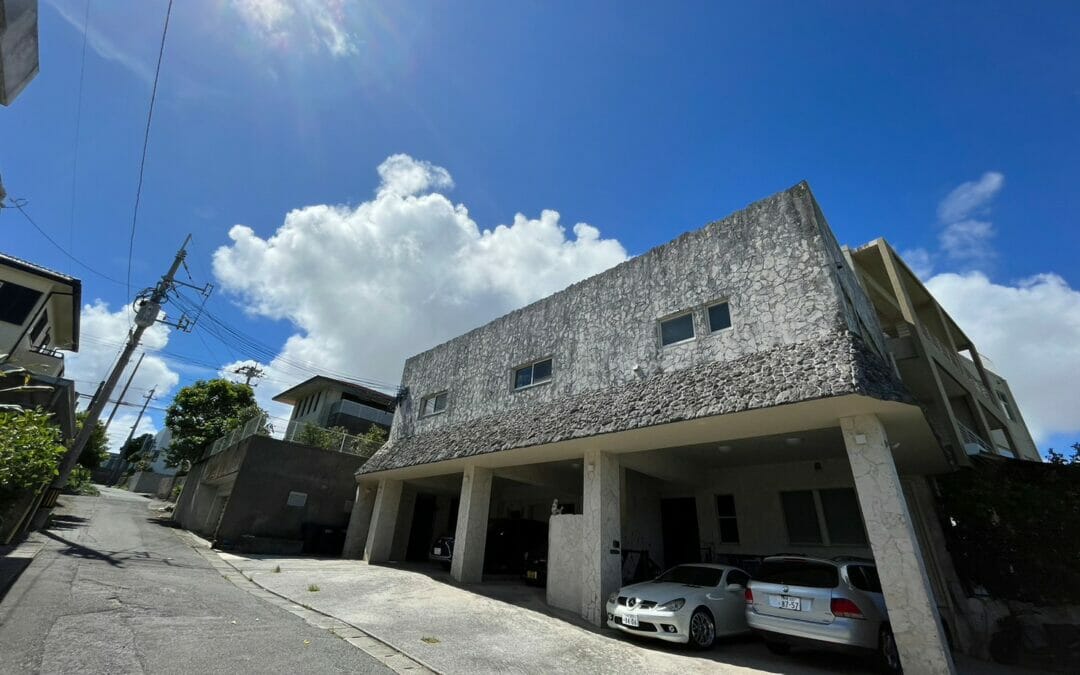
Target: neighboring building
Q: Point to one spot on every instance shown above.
(728, 395)
(158, 477)
(18, 47)
(326, 402)
(258, 494)
(39, 316)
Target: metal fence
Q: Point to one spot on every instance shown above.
(303, 433)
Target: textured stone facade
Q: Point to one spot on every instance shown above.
(801, 329)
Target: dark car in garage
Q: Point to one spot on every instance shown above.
(514, 546)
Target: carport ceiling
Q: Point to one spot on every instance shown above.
(801, 446)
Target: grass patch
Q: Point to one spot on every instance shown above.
(313, 588)
(430, 640)
(277, 569)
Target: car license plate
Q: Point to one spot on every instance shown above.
(786, 602)
(438, 551)
(530, 575)
(631, 621)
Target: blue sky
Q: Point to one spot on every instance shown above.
(643, 120)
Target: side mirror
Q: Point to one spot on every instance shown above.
(734, 588)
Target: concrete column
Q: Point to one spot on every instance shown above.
(908, 595)
(467, 565)
(600, 534)
(383, 518)
(360, 521)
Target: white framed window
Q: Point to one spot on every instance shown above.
(434, 404)
(677, 329)
(829, 517)
(535, 373)
(1005, 405)
(719, 316)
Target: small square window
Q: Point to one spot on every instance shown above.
(679, 329)
(534, 373)
(719, 317)
(434, 404)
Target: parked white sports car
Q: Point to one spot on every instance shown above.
(687, 604)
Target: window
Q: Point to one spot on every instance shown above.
(864, 578)
(738, 577)
(39, 327)
(842, 520)
(434, 404)
(797, 572)
(719, 317)
(1005, 405)
(16, 302)
(824, 517)
(535, 373)
(678, 329)
(693, 575)
(729, 526)
(801, 518)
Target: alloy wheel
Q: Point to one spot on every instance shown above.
(702, 630)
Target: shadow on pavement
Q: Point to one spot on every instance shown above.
(66, 522)
(80, 551)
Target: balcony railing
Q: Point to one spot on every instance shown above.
(963, 365)
(302, 433)
(973, 443)
(40, 360)
(361, 411)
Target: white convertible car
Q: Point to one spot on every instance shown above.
(687, 604)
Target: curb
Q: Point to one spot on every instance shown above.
(15, 559)
(379, 649)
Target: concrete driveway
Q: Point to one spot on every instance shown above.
(499, 626)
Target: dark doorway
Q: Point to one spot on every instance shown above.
(423, 523)
(678, 519)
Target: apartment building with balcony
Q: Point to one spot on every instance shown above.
(326, 402)
(749, 388)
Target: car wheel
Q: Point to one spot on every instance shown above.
(702, 629)
(778, 648)
(888, 654)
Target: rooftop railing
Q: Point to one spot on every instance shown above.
(301, 433)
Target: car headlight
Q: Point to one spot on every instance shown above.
(672, 605)
(613, 598)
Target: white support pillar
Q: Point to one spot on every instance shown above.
(360, 521)
(602, 562)
(908, 596)
(383, 518)
(467, 565)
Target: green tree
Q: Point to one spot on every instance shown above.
(134, 446)
(30, 449)
(319, 437)
(373, 439)
(97, 448)
(204, 412)
(1058, 458)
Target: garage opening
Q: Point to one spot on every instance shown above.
(679, 523)
(421, 534)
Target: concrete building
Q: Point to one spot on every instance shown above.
(39, 317)
(749, 388)
(326, 402)
(18, 47)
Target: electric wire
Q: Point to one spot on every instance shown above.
(20, 205)
(78, 127)
(146, 144)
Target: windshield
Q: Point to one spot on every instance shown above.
(691, 575)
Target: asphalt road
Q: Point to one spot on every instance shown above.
(113, 591)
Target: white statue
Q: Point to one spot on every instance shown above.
(555, 508)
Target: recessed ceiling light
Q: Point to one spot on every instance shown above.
(724, 448)
(793, 440)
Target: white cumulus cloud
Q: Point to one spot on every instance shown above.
(1031, 332)
(369, 285)
(305, 23)
(102, 334)
(970, 198)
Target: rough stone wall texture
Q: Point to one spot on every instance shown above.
(796, 315)
(565, 562)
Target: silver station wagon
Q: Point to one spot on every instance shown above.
(837, 604)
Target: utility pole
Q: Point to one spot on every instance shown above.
(249, 372)
(123, 392)
(146, 315)
(146, 401)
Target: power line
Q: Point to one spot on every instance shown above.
(146, 143)
(78, 126)
(20, 204)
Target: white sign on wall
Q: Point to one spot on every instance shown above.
(297, 498)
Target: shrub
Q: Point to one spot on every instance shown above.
(81, 482)
(30, 449)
